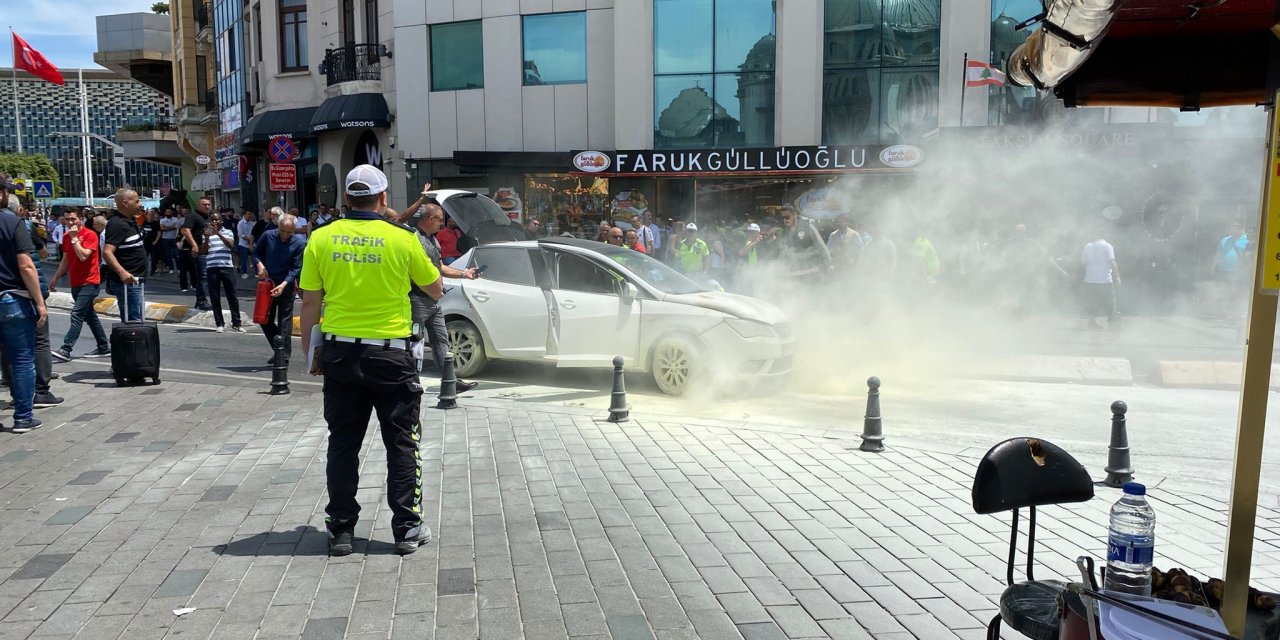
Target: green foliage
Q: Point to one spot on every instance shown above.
(160, 7)
(34, 167)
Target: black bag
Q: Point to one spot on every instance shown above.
(135, 350)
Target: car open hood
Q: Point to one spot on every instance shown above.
(735, 305)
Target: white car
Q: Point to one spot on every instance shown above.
(577, 303)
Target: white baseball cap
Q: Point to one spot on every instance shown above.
(374, 180)
(753, 227)
(691, 227)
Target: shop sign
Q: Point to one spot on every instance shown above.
(774, 160)
(224, 146)
(591, 161)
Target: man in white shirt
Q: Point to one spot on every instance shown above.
(244, 243)
(1101, 277)
(169, 224)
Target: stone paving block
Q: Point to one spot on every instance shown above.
(181, 583)
(761, 631)
(795, 622)
(38, 606)
(452, 582)
(624, 627)
(158, 445)
(845, 629)
(69, 515)
(769, 591)
(544, 629)
(371, 617)
(42, 566)
(743, 608)
(456, 610)
(89, 477)
(325, 629)
(584, 619)
(16, 456)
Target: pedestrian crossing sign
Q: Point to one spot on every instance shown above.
(42, 188)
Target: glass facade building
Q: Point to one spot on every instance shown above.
(880, 70)
(113, 102)
(230, 82)
(713, 68)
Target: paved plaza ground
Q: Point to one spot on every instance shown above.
(549, 522)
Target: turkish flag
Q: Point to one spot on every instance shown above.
(34, 62)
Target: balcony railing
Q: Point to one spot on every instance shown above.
(203, 14)
(211, 101)
(150, 123)
(353, 62)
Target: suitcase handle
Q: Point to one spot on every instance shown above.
(124, 313)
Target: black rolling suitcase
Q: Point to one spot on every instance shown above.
(135, 350)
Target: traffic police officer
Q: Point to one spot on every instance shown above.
(361, 268)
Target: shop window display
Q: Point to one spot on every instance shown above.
(566, 204)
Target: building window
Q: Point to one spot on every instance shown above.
(713, 73)
(202, 79)
(371, 21)
(293, 35)
(457, 56)
(257, 30)
(555, 48)
(880, 70)
(348, 21)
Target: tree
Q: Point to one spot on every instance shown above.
(32, 166)
(160, 7)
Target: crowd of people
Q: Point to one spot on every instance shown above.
(1014, 270)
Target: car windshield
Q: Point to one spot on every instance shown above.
(660, 276)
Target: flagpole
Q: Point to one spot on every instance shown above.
(84, 141)
(964, 82)
(17, 115)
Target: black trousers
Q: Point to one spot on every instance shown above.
(218, 279)
(280, 320)
(359, 380)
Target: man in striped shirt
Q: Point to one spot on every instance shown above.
(221, 272)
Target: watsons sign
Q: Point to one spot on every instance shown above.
(752, 161)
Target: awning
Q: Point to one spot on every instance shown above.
(207, 181)
(294, 123)
(355, 111)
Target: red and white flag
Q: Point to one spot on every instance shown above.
(978, 74)
(34, 62)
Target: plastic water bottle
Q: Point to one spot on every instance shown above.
(1131, 542)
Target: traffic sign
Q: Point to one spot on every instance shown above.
(282, 176)
(20, 187)
(282, 149)
(202, 159)
(42, 188)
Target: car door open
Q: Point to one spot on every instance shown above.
(510, 304)
(593, 321)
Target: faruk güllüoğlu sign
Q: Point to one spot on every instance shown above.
(748, 161)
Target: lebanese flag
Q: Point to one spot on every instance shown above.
(34, 62)
(979, 73)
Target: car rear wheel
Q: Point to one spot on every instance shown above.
(675, 365)
(467, 347)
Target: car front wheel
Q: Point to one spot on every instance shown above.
(467, 347)
(675, 365)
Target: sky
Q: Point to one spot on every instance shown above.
(65, 31)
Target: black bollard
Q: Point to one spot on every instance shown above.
(279, 369)
(1119, 467)
(448, 385)
(872, 429)
(618, 409)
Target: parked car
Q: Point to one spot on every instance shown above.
(578, 303)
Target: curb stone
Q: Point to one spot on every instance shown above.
(162, 312)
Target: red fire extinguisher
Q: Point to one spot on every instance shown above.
(262, 302)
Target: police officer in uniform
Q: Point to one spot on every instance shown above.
(361, 268)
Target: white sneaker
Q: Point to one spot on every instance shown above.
(220, 329)
(238, 329)
(244, 276)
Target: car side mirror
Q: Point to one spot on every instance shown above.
(629, 293)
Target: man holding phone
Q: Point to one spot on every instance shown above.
(428, 220)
